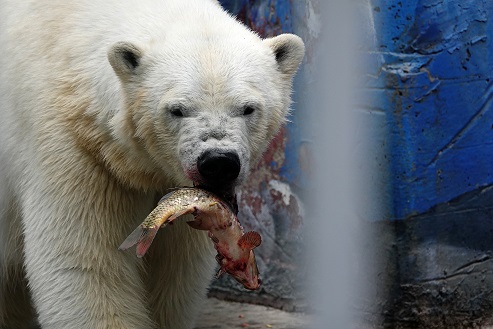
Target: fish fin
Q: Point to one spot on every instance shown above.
(171, 191)
(133, 238)
(250, 240)
(146, 239)
(167, 195)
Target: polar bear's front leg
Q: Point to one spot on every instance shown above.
(77, 276)
(181, 265)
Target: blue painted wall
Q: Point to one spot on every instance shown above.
(431, 72)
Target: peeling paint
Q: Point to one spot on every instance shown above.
(412, 65)
(282, 188)
(446, 25)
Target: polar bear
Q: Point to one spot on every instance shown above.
(104, 105)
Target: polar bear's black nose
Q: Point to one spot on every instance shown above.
(219, 167)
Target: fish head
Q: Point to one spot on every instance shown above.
(244, 268)
(245, 271)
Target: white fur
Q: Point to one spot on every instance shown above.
(87, 143)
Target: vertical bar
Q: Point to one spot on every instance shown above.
(332, 220)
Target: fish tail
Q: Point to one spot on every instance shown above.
(133, 238)
(144, 243)
(142, 237)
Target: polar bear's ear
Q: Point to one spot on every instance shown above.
(124, 57)
(289, 50)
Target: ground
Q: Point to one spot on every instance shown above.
(218, 314)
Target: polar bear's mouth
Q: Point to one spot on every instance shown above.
(218, 171)
(218, 167)
(225, 193)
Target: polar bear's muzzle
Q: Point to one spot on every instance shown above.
(219, 168)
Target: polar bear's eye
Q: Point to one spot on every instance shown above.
(247, 110)
(176, 111)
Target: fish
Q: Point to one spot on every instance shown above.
(211, 213)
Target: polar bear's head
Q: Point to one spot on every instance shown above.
(204, 108)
